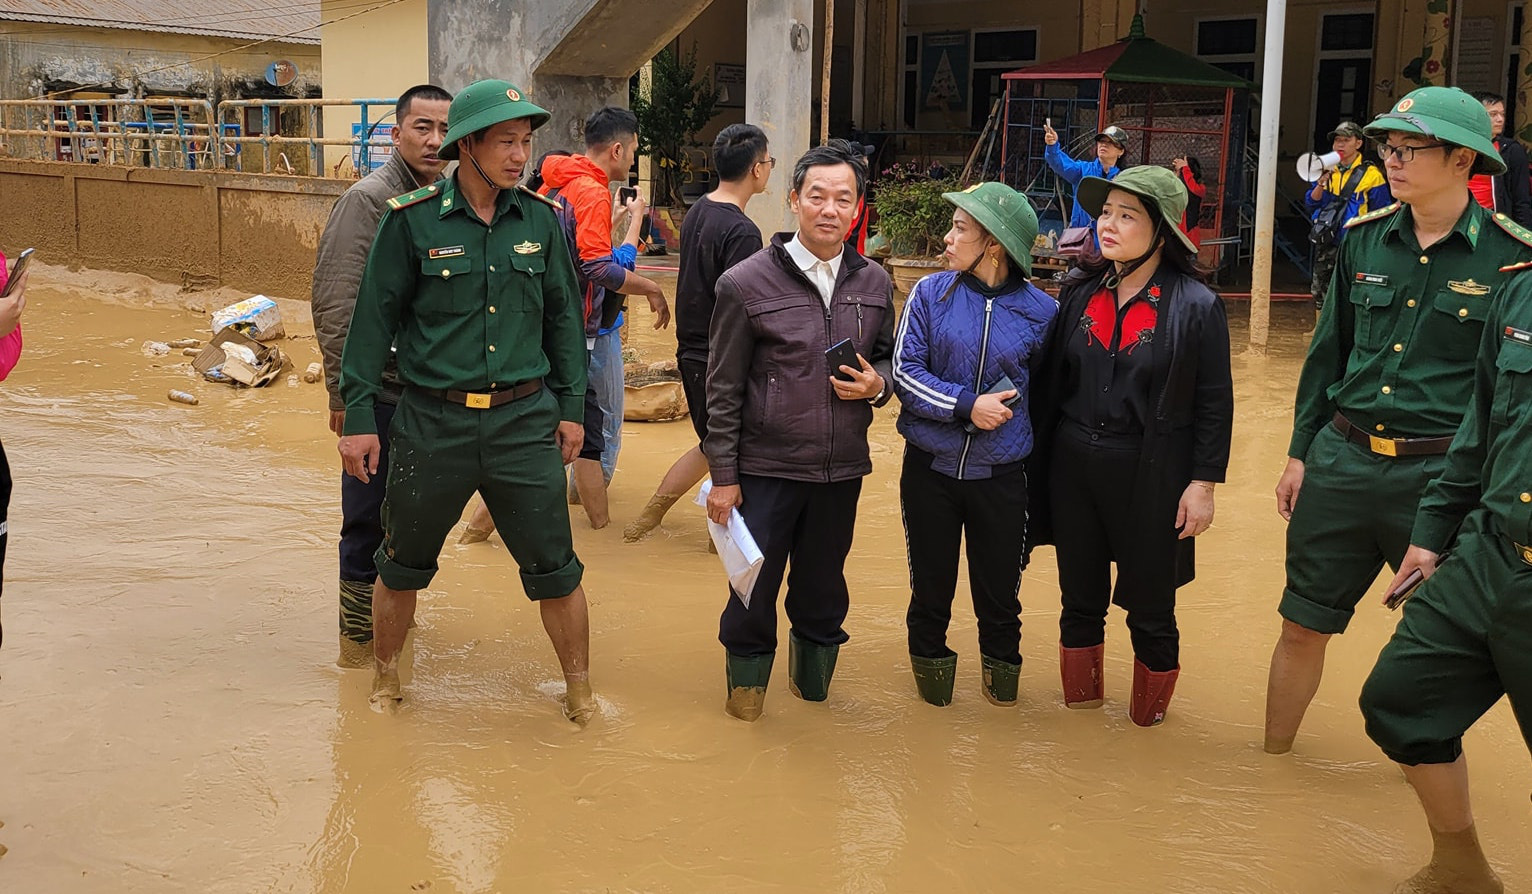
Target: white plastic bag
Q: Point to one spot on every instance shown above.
(742, 559)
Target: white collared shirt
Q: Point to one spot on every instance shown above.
(821, 273)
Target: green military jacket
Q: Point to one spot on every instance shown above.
(1394, 346)
(1490, 462)
(471, 306)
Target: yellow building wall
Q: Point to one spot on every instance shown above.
(374, 56)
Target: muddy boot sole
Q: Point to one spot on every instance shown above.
(580, 704)
(473, 535)
(387, 695)
(354, 655)
(650, 518)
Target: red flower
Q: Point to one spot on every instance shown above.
(1154, 292)
(1433, 67)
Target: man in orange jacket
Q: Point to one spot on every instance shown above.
(611, 141)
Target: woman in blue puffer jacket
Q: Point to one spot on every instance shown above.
(963, 358)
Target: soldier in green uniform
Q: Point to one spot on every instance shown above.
(1387, 378)
(1466, 637)
(471, 279)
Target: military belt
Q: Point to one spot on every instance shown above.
(1392, 447)
(483, 400)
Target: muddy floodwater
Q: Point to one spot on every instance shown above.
(171, 719)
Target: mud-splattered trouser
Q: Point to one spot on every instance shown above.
(812, 524)
(1324, 270)
(1465, 640)
(939, 512)
(1093, 528)
(361, 533)
(442, 453)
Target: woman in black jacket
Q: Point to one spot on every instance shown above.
(1136, 408)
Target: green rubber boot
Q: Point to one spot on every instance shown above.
(745, 680)
(1000, 681)
(809, 668)
(934, 678)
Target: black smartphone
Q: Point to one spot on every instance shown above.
(1397, 596)
(1005, 384)
(626, 194)
(842, 353)
(16, 271)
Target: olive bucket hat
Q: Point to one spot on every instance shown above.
(1159, 187)
(1005, 214)
(484, 104)
(1446, 114)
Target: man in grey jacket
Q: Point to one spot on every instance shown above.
(420, 125)
(788, 410)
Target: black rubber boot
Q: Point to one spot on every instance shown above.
(809, 668)
(1000, 681)
(934, 678)
(745, 680)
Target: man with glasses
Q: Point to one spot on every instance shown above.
(1387, 379)
(715, 236)
(1355, 186)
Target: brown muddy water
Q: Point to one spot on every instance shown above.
(171, 719)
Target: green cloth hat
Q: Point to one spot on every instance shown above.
(1005, 214)
(1160, 187)
(484, 104)
(1447, 114)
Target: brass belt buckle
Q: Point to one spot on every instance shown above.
(1383, 446)
(478, 401)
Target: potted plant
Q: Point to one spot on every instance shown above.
(913, 217)
(676, 106)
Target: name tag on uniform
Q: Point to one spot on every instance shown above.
(528, 248)
(1468, 287)
(1372, 279)
(1521, 335)
(450, 251)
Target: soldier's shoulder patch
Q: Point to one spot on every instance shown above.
(1371, 216)
(1513, 229)
(1516, 268)
(413, 198)
(541, 198)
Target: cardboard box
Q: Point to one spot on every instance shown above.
(256, 316)
(246, 362)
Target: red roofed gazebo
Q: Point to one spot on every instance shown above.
(1171, 104)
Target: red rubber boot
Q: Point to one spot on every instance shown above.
(1151, 693)
(1084, 686)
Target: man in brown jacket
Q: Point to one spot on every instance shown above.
(420, 125)
(787, 433)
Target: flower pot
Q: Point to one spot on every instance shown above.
(908, 271)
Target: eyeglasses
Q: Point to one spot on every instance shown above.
(769, 162)
(1406, 154)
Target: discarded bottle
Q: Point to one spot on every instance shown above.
(190, 352)
(292, 381)
(186, 343)
(312, 374)
(182, 397)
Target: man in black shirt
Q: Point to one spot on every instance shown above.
(715, 236)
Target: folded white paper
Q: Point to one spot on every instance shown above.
(741, 557)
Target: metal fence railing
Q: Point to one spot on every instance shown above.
(248, 135)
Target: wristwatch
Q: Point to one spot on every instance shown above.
(881, 391)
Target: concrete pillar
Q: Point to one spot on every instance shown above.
(1266, 176)
(472, 41)
(1437, 43)
(779, 76)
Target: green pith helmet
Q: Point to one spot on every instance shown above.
(1005, 214)
(1159, 187)
(1447, 114)
(484, 104)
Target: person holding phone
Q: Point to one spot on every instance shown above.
(611, 141)
(964, 353)
(1136, 414)
(13, 300)
(786, 438)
